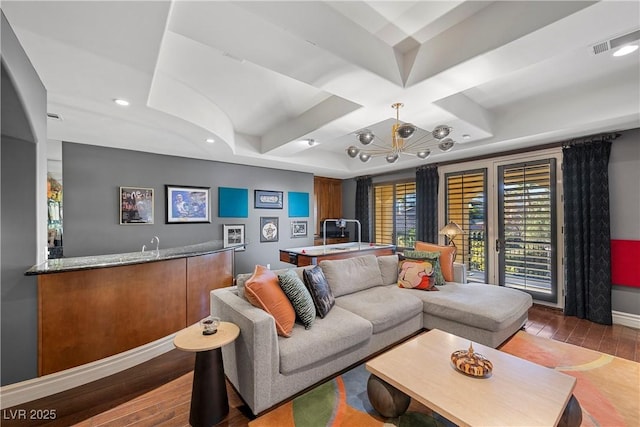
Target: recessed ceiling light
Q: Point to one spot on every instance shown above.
(625, 50)
(466, 136)
(210, 140)
(122, 102)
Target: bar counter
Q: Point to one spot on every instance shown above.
(113, 260)
(312, 255)
(94, 307)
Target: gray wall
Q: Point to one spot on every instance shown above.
(624, 179)
(624, 193)
(23, 126)
(93, 176)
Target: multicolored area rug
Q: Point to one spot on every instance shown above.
(608, 390)
(608, 387)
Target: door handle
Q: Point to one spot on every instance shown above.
(499, 243)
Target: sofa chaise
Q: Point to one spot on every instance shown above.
(370, 313)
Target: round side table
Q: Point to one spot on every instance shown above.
(209, 404)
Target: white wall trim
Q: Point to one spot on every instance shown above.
(626, 319)
(37, 388)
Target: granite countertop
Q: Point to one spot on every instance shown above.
(113, 260)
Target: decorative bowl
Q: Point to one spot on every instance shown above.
(471, 363)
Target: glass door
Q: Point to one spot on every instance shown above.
(465, 204)
(526, 243)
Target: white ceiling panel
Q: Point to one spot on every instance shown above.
(262, 76)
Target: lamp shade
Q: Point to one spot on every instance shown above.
(451, 230)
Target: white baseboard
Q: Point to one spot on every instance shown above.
(626, 319)
(37, 388)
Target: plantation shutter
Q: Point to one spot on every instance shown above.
(465, 205)
(527, 226)
(395, 214)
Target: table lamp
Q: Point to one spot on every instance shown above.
(451, 230)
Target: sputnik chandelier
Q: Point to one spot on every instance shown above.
(401, 133)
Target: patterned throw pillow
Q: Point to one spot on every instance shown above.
(447, 257)
(416, 274)
(299, 296)
(319, 289)
(263, 291)
(433, 258)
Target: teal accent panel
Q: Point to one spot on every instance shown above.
(298, 204)
(233, 202)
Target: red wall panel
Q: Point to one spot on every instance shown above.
(625, 262)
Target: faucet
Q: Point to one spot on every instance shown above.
(342, 223)
(144, 247)
(157, 240)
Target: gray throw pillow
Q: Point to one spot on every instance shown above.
(319, 289)
(299, 296)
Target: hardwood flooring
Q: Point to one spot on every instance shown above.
(167, 403)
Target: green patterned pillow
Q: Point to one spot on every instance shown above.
(299, 296)
(433, 258)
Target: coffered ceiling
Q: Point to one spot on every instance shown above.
(261, 78)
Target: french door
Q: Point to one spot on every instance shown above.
(526, 243)
(509, 209)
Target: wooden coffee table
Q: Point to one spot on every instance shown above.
(517, 393)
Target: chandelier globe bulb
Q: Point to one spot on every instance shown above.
(353, 151)
(441, 131)
(406, 131)
(446, 144)
(365, 157)
(365, 137)
(392, 158)
(423, 154)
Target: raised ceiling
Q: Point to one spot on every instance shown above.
(261, 77)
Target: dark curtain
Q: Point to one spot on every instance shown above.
(587, 242)
(427, 204)
(363, 197)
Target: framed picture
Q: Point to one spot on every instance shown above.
(136, 205)
(187, 204)
(233, 235)
(298, 228)
(268, 229)
(268, 199)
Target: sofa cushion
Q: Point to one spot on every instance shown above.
(447, 256)
(388, 265)
(263, 290)
(433, 258)
(385, 307)
(488, 307)
(337, 333)
(319, 289)
(416, 274)
(242, 278)
(350, 275)
(299, 296)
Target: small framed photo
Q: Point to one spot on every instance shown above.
(187, 204)
(268, 229)
(233, 235)
(268, 199)
(298, 228)
(136, 205)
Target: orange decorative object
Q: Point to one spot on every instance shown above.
(471, 363)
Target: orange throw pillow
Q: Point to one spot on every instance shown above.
(263, 291)
(447, 257)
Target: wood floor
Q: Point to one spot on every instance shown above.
(168, 404)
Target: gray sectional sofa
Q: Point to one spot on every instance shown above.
(370, 313)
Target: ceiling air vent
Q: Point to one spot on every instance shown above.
(54, 116)
(600, 48)
(615, 42)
